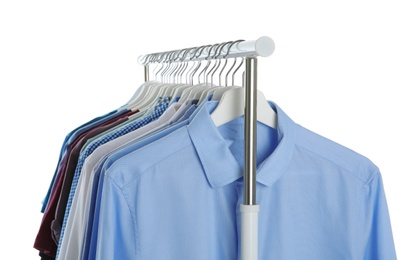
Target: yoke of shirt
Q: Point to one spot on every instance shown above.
(135, 117)
(159, 109)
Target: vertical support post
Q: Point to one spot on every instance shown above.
(249, 210)
(250, 132)
(146, 72)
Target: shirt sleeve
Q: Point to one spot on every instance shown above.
(380, 243)
(116, 231)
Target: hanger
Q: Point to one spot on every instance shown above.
(199, 91)
(141, 90)
(183, 90)
(217, 91)
(206, 92)
(173, 77)
(158, 89)
(180, 90)
(176, 89)
(231, 106)
(195, 91)
(217, 95)
(146, 88)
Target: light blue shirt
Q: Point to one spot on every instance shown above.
(179, 197)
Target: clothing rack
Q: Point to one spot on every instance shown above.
(249, 50)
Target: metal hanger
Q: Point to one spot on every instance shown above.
(181, 90)
(190, 92)
(197, 90)
(157, 89)
(137, 100)
(218, 58)
(217, 94)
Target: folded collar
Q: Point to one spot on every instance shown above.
(221, 167)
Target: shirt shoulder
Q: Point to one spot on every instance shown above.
(126, 168)
(332, 153)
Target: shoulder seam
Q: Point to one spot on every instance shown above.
(150, 166)
(328, 159)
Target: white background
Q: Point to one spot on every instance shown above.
(344, 69)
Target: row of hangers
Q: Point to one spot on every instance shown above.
(174, 77)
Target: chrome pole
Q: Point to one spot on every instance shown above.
(249, 210)
(250, 132)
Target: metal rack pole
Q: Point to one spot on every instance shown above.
(249, 210)
(250, 130)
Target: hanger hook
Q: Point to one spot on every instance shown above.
(150, 59)
(158, 58)
(167, 60)
(225, 63)
(144, 59)
(196, 55)
(214, 56)
(229, 70)
(241, 63)
(175, 65)
(217, 53)
(185, 64)
(229, 48)
(180, 64)
(173, 61)
(208, 59)
(210, 49)
(232, 66)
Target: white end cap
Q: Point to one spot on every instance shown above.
(265, 46)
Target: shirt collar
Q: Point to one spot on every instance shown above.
(221, 167)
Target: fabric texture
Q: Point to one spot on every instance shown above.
(90, 240)
(50, 227)
(318, 199)
(74, 235)
(71, 137)
(158, 111)
(167, 183)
